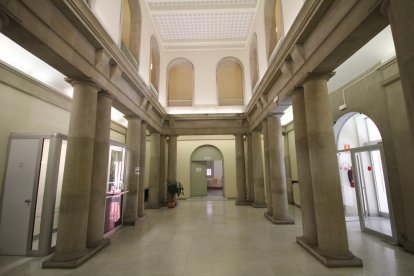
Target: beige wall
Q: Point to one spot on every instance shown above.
(20, 112)
(225, 143)
(24, 113)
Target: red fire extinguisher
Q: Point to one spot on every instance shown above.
(351, 178)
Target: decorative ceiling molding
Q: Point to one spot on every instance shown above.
(195, 24)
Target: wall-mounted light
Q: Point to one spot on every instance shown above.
(151, 66)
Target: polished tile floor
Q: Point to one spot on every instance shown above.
(215, 237)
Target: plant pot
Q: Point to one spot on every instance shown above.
(171, 204)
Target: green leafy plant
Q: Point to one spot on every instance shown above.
(174, 188)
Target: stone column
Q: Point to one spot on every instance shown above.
(163, 182)
(258, 177)
(154, 174)
(400, 15)
(132, 177)
(277, 171)
(4, 20)
(304, 171)
(329, 211)
(99, 181)
(172, 159)
(249, 169)
(141, 184)
(240, 171)
(75, 197)
(267, 169)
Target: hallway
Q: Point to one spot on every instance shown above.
(203, 237)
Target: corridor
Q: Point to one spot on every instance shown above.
(215, 237)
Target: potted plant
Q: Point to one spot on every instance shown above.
(174, 189)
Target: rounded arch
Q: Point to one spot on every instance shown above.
(207, 171)
(131, 28)
(154, 63)
(206, 152)
(273, 24)
(254, 61)
(355, 129)
(180, 82)
(230, 81)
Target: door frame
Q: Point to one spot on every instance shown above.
(354, 151)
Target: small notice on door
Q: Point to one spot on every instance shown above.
(136, 170)
(198, 169)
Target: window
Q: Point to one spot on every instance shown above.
(273, 24)
(154, 64)
(180, 73)
(254, 63)
(131, 30)
(230, 82)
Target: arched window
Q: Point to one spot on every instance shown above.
(254, 62)
(154, 63)
(273, 24)
(131, 30)
(230, 82)
(180, 73)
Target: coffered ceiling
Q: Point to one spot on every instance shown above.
(194, 24)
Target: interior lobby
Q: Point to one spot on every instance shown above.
(288, 124)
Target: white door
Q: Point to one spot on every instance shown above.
(21, 173)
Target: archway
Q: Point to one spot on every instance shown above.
(362, 171)
(206, 174)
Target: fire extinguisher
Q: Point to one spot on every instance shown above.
(351, 178)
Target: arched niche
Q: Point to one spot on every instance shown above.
(154, 63)
(180, 82)
(230, 88)
(131, 29)
(254, 62)
(273, 24)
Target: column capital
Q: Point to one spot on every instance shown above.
(83, 81)
(4, 20)
(296, 90)
(275, 114)
(132, 117)
(104, 93)
(319, 75)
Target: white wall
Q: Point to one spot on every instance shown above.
(109, 14)
(290, 10)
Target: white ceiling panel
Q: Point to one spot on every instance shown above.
(203, 23)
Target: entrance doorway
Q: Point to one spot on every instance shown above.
(207, 177)
(362, 171)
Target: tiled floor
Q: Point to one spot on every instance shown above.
(215, 237)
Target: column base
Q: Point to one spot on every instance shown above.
(259, 205)
(354, 261)
(133, 222)
(407, 245)
(153, 206)
(98, 243)
(243, 202)
(278, 221)
(50, 263)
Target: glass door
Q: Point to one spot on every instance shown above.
(372, 191)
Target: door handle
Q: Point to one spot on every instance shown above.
(27, 200)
